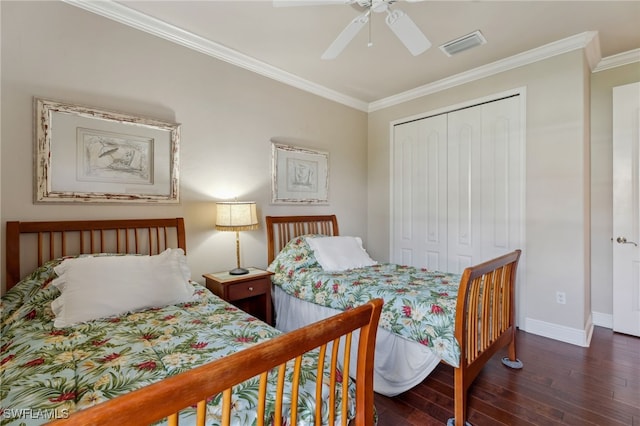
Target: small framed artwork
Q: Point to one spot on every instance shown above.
(85, 154)
(299, 175)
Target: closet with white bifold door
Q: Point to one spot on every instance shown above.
(457, 190)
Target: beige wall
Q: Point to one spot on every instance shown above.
(557, 184)
(602, 83)
(228, 116)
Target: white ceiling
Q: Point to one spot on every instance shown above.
(286, 43)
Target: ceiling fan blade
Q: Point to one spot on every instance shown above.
(346, 36)
(290, 3)
(407, 31)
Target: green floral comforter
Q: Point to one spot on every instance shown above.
(419, 304)
(47, 372)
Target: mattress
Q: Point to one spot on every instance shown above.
(399, 364)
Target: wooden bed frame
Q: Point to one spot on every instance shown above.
(166, 398)
(485, 310)
(66, 238)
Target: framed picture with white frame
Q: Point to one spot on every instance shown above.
(88, 155)
(299, 175)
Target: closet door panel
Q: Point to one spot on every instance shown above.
(463, 176)
(404, 177)
(500, 208)
(434, 194)
(419, 193)
(458, 186)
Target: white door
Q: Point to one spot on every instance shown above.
(420, 193)
(626, 209)
(457, 187)
(485, 183)
(464, 195)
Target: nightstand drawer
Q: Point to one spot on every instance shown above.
(248, 289)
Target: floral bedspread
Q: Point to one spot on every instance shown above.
(47, 372)
(419, 304)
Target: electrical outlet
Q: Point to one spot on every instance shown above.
(561, 297)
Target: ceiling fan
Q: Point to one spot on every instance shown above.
(398, 21)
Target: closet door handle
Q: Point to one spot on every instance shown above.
(623, 240)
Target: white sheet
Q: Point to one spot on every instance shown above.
(399, 364)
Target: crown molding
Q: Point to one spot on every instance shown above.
(148, 24)
(613, 61)
(588, 40)
(559, 47)
(592, 51)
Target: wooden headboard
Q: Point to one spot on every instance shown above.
(67, 238)
(282, 229)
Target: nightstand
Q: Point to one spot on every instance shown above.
(250, 292)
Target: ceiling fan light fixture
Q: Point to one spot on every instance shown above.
(463, 43)
(399, 22)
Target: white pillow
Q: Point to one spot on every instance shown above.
(95, 287)
(339, 253)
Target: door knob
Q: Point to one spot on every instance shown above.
(623, 240)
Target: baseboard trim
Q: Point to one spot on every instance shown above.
(602, 320)
(562, 333)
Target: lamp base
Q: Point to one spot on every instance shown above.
(238, 271)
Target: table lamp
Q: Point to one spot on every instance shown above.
(236, 216)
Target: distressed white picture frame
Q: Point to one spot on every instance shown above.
(299, 175)
(89, 155)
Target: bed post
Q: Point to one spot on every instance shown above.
(460, 402)
(12, 254)
(181, 234)
(512, 360)
(484, 325)
(365, 415)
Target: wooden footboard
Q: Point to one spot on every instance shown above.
(166, 398)
(485, 321)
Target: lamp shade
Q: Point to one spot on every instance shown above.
(236, 216)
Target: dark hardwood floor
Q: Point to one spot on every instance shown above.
(559, 384)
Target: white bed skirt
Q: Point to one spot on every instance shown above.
(400, 364)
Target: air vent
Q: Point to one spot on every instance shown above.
(463, 43)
